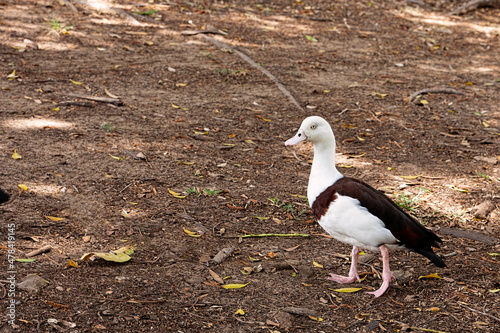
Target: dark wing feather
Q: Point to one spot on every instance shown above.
(406, 229)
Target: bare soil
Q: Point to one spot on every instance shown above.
(204, 119)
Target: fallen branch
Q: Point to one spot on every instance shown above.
(474, 4)
(259, 67)
(274, 235)
(76, 103)
(41, 250)
(115, 101)
(435, 91)
(480, 312)
(196, 32)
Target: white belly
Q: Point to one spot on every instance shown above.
(347, 221)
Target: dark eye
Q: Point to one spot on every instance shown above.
(313, 126)
(299, 134)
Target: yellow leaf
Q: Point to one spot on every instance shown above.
(249, 141)
(149, 43)
(469, 84)
(424, 102)
(485, 124)
(12, 75)
(430, 276)
(235, 285)
(317, 319)
(189, 232)
(232, 135)
(356, 156)
(317, 265)
(176, 195)
(345, 166)
(126, 249)
(410, 177)
(181, 84)
(173, 192)
(75, 82)
(175, 106)
(86, 256)
(118, 257)
(346, 290)
(56, 109)
(239, 312)
(116, 157)
(71, 263)
(433, 309)
(125, 214)
(16, 156)
(200, 133)
(186, 163)
(494, 290)
(262, 218)
(493, 254)
(266, 119)
(101, 49)
(23, 187)
(55, 219)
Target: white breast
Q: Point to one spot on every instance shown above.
(347, 221)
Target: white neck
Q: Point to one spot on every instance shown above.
(323, 170)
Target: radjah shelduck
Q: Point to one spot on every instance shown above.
(353, 212)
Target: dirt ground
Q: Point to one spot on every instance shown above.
(191, 140)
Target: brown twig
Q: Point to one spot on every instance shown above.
(435, 91)
(41, 250)
(115, 101)
(474, 4)
(480, 312)
(259, 67)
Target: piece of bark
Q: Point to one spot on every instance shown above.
(221, 256)
(41, 250)
(301, 311)
(469, 235)
(482, 210)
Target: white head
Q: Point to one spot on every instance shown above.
(315, 129)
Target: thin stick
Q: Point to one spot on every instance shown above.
(274, 235)
(259, 67)
(480, 312)
(116, 101)
(435, 91)
(41, 250)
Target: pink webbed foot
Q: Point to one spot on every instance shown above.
(343, 279)
(386, 273)
(353, 271)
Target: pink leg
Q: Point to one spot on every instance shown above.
(353, 272)
(386, 273)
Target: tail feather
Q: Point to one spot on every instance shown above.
(432, 256)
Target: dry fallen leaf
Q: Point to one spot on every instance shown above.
(430, 276)
(16, 156)
(346, 290)
(55, 219)
(235, 285)
(23, 187)
(75, 82)
(216, 276)
(239, 312)
(410, 177)
(316, 318)
(317, 265)
(71, 263)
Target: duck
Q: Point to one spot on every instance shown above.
(355, 213)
